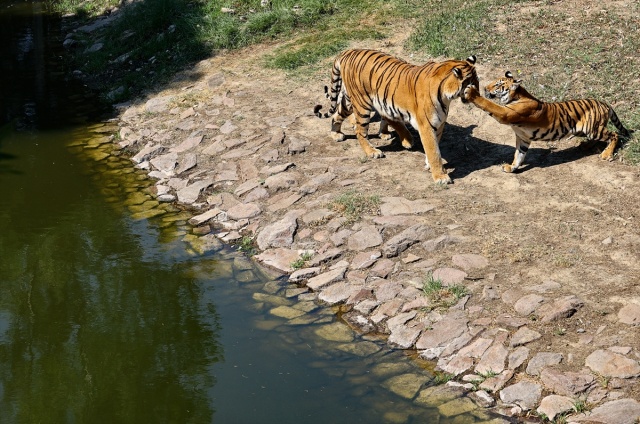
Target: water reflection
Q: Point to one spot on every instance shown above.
(98, 320)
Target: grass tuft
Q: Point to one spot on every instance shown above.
(353, 205)
(441, 295)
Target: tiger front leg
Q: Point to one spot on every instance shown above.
(518, 158)
(362, 134)
(433, 159)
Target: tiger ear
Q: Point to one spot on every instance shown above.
(457, 73)
(508, 74)
(472, 59)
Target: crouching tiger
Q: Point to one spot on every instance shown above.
(532, 119)
(366, 80)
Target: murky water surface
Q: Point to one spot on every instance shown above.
(111, 310)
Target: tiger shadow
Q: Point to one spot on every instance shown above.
(466, 153)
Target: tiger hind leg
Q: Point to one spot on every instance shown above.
(363, 117)
(403, 133)
(613, 138)
(522, 147)
(343, 111)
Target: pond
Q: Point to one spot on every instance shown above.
(113, 310)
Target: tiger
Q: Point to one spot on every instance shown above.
(532, 119)
(365, 81)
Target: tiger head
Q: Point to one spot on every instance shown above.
(464, 73)
(503, 89)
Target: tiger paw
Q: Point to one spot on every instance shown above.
(407, 144)
(508, 169)
(470, 93)
(442, 179)
(376, 154)
(606, 156)
(386, 136)
(337, 136)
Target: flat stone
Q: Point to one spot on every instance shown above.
(339, 237)
(527, 305)
(204, 217)
(147, 153)
(449, 276)
(286, 312)
(303, 274)
(438, 395)
(316, 182)
(493, 359)
(256, 194)
(554, 405)
(280, 233)
(443, 331)
(317, 216)
(190, 193)
(482, 399)
(511, 321)
(456, 407)
(277, 169)
(630, 314)
(335, 332)
(523, 336)
(364, 260)
(441, 242)
(338, 292)
(158, 104)
(561, 308)
(402, 206)
(326, 256)
(227, 128)
(469, 261)
(387, 290)
(382, 268)
(246, 187)
(279, 258)
(282, 181)
(405, 385)
(244, 211)
(493, 384)
(188, 162)
(326, 278)
(456, 365)
(403, 336)
(611, 364)
(284, 202)
(524, 394)
(566, 383)
(620, 411)
(364, 239)
(477, 348)
(542, 360)
(403, 240)
(165, 163)
(188, 144)
(215, 148)
(517, 357)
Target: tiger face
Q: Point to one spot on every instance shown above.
(462, 75)
(502, 89)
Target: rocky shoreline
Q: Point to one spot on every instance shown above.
(240, 148)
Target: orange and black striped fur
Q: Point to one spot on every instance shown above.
(533, 119)
(366, 80)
